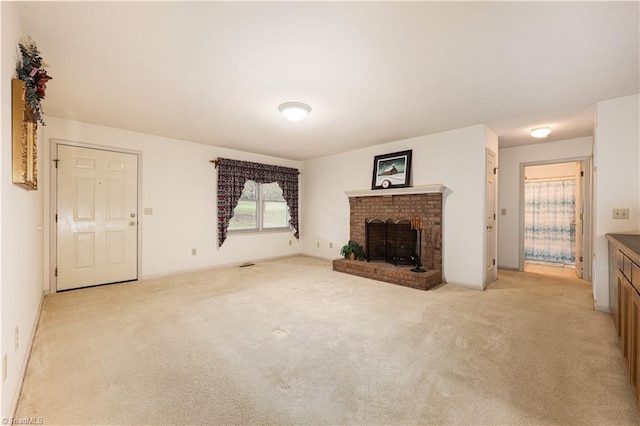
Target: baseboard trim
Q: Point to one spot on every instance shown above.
(25, 361)
(602, 308)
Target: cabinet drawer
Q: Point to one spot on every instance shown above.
(635, 276)
(627, 267)
(620, 260)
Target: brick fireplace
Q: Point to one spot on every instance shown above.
(402, 204)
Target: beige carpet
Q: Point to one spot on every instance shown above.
(292, 342)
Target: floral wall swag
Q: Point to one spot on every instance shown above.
(31, 70)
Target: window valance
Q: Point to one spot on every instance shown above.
(233, 174)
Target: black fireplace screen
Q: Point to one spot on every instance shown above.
(391, 241)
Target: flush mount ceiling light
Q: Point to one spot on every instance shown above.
(294, 111)
(541, 132)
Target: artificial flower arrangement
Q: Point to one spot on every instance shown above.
(31, 71)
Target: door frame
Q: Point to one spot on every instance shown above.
(587, 240)
(53, 200)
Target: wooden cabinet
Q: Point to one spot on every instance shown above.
(625, 296)
(624, 301)
(634, 364)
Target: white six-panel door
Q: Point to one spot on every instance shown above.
(97, 217)
(491, 271)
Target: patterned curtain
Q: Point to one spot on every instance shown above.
(232, 175)
(549, 220)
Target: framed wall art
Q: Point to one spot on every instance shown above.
(392, 170)
(24, 138)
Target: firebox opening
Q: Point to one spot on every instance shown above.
(391, 241)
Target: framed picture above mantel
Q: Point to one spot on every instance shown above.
(392, 170)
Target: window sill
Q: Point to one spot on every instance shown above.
(256, 232)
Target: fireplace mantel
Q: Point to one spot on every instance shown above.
(420, 189)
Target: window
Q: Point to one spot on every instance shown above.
(232, 177)
(261, 208)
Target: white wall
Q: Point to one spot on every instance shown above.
(617, 182)
(509, 188)
(21, 252)
(455, 159)
(179, 183)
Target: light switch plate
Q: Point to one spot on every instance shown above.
(621, 213)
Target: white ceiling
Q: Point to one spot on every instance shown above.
(215, 73)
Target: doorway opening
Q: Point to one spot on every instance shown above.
(555, 219)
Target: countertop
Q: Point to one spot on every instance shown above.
(630, 241)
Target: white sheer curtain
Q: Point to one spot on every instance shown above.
(549, 220)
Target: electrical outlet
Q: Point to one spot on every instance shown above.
(621, 213)
(318, 244)
(290, 242)
(17, 345)
(4, 367)
(503, 212)
(194, 252)
(148, 211)
(330, 245)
